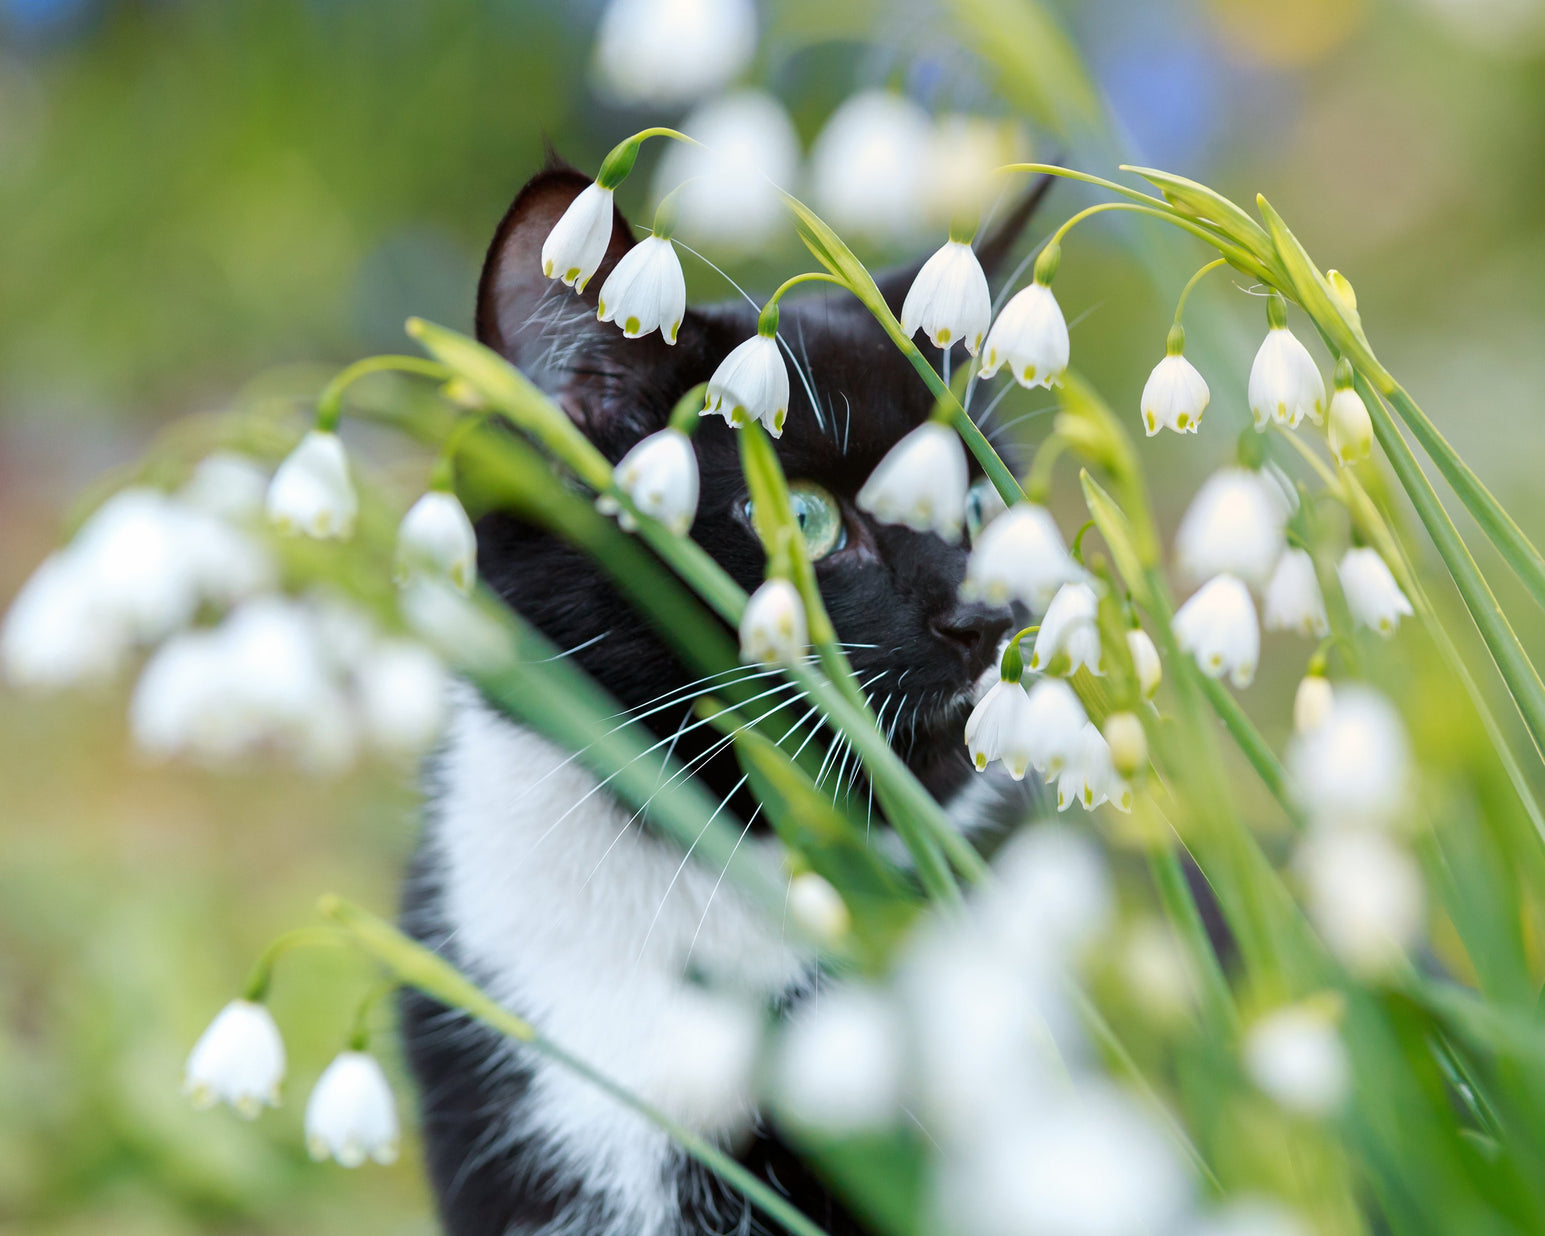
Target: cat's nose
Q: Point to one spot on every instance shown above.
(976, 630)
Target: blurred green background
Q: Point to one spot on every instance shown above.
(196, 196)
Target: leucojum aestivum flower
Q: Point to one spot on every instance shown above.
(966, 995)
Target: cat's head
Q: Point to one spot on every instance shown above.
(892, 593)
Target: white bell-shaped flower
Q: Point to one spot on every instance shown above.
(1089, 778)
(1145, 662)
(238, 1060)
(949, 300)
(351, 1115)
(668, 52)
(1354, 768)
(1312, 702)
(773, 629)
(660, 476)
(1218, 627)
(1372, 594)
(1364, 896)
(1234, 525)
(1019, 556)
(1296, 1056)
(646, 291)
(1285, 383)
(436, 540)
(402, 689)
(1052, 724)
(869, 166)
(1293, 598)
(921, 483)
(841, 1064)
(1030, 336)
(311, 492)
(998, 729)
(1174, 397)
(227, 485)
(818, 908)
(1350, 428)
(1068, 629)
(751, 384)
(575, 248)
(57, 632)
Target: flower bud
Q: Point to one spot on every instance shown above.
(773, 627)
(1128, 744)
(818, 908)
(1350, 429)
(1312, 702)
(1145, 662)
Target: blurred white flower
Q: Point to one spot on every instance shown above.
(226, 485)
(964, 155)
(660, 476)
(818, 908)
(1350, 429)
(575, 248)
(1145, 662)
(921, 483)
(1250, 1216)
(1293, 598)
(1233, 526)
(1174, 397)
(311, 492)
(1218, 627)
(1089, 777)
(1281, 487)
(728, 186)
(1030, 336)
(1053, 897)
(773, 628)
(707, 1050)
(239, 1059)
(1285, 383)
(1158, 971)
(646, 291)
(436, 539)
(1372, 594)
(402, 696)
(999, 729)
(1068, 629)
(666, 52)
(869, 166)
(1364, 896)
(839, 1065)
(1354, 768)
(351, 1115)
(1052, 725)
(949, 300)
(1312, 702)
(1296, 1056)
(1128, 743)
(1019, 556)
(751, 383)
(464, 632)
(57, 633)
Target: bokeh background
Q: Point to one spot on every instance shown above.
(200, 199)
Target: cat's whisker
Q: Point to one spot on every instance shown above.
(992, 405)
(807, 376)
(569, 652)
(847, 426)
(1020, 419)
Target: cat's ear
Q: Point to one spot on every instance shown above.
(992, 250)
(550, 331)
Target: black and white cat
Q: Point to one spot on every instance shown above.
(589, 925)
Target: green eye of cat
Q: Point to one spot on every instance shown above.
(818, 516)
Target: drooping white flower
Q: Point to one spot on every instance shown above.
(311, 492)
(1145, 662)
(1174, 397)
(706, 1047)
(1296, 1056)
(227, 485)
(239, 1059)
(1234, 525)
(1068, 629)
(728, 186)
(921, 483)
(436, 539)
(660, 476)
(57, 633)
(1218, 627)
(949, 300)
(1285, 383)
(646, 291)
(1312, 702)
(402, 696)
(751, 383)
(1030, 336)
(1293, 598)
(1053, 897)
(869, 166)
(965, 152)
(667, 52)
(997, 729)
(575, 248)
(1052, 725)
(1089, 777)
(773, 628)
(1354, 768)
(351, 1115)
(1128, 743)
(1372, 594)
(1350, 428)
(1019, 556)
(1364, 896)
(839, 1066)
(818, 907)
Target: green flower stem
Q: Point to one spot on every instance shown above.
(1180, 905)
(330, 402)
(1249, 740)
(418, 967)
(619, 162)
(1185, 292)
(794, 281)
(359, 1030)
(261, 976)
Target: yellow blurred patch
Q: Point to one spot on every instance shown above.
(1286, 33)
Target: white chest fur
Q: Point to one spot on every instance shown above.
(585, 923)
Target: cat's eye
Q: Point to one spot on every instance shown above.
(983, 505)
(818, 516)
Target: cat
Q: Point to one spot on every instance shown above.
(553, 897)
